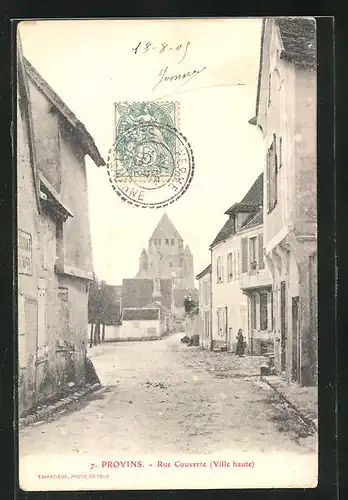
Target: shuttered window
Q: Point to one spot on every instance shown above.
(244, 255)
(261, 256)
(218, 269)
(272, 174)
(229, 266)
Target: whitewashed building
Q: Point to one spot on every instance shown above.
(241, 284)
(286, 118)
(204, 316)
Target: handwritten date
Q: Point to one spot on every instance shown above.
(146, 47)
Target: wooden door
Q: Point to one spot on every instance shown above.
(283, 313)
(295, 340)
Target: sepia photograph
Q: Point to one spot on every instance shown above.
(167, 254)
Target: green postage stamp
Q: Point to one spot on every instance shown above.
(150, 163)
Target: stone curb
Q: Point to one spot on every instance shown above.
(44, 413)
(309, 421)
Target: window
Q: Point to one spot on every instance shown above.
(159, 242)
(269, 88)
(237, 274)
(272, 174)
(252, 254)
(244, 255)
(172, 241)
(261, 255)
(219, 269)
(170, 264)
(167, 241)
(205, 293)
(263, 311)
(229, 266)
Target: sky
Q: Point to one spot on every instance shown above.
(92, 64)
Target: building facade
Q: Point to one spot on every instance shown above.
(166, 257)
(141, 324)
(256, 283)
(241, 284)
(54, 244)
(286, 117)
(204, 315)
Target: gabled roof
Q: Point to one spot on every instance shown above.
(205, 271)
(299, 40)
(228, 229)
(24, 100)
(136, 314)
(85, 139)
(251, 203)
(252, 200)
(165, 229)
(138, 292)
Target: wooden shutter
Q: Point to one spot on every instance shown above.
(268, 180)
(261, 258)
(244, 255)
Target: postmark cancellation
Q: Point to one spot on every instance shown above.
(150, 163)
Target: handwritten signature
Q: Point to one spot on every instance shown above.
(179, 76)
(145, 47)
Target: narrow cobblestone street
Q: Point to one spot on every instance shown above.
(163, 397)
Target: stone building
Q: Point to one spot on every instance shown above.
(286, 117)
(166, 257)
(54, 243)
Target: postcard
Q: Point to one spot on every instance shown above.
(167, 254)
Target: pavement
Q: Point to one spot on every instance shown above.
(303, 399)
(163, 397)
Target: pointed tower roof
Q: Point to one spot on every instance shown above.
(165, 229)
(143, 252)
(187, 250)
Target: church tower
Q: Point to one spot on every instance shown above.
(166, 257)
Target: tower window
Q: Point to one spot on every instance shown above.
(159, 242)
(170, 264)
(172, 241)
(167, 241)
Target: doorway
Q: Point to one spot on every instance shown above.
(222, 324)
(295, 339)
(283, 314)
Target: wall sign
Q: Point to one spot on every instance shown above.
(25, 254)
